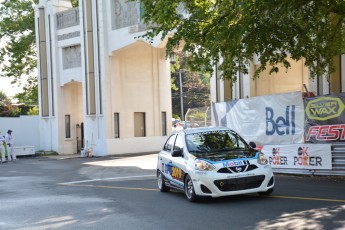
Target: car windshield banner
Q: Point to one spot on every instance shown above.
(270, 119)
(325, 119)
(299, 156)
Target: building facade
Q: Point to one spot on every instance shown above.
(297, 78)
(101, 86)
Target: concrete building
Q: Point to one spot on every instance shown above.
(297, 78)
(100, 85)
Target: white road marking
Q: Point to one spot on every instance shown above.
(105, 179)
(143, 162)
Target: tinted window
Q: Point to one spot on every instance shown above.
(164, 123)
(214, 141)
(116, 125)
(68, 126)
(178, 143)
(170, 143)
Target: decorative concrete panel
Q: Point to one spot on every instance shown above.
(71, 57)
(69, 35)
(67, 18)
(124, 13)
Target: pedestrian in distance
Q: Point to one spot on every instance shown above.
(2, 148)
(10, 144)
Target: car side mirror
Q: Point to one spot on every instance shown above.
(177, 153)
(252, 144)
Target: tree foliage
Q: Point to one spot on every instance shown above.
(29, 96)
(6, 107)
(231, 32)
(195, 87)
(18, 52)
(33, 111)
(17, 31)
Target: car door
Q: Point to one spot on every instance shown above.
(178, 163)
(171, 166)
(164, 159)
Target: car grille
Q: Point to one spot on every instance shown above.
(238, 169)
(236, 184)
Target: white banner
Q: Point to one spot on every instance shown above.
(299, 156)
(271, 119)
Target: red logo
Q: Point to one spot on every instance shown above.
(327, 132)
(303, 156)
(276, 158)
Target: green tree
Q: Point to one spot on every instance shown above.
(18, 54)
(195, 87)
(6, 107)
(17, 31)
(33, 111)
(231, 32)
(29, 96)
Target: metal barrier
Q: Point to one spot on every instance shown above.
(24, 150)
(338, 164)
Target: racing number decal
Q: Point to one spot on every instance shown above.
(176, 172)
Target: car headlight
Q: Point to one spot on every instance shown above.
(203, 165)
(262, 159)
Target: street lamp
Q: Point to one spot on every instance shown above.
(173, 61)
(181, 93)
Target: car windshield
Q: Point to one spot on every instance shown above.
(220, 142)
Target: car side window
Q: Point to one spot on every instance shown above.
(179, 143)
(170, 143)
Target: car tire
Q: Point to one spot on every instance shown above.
(161, 184)
(268, 192)
(189, 189)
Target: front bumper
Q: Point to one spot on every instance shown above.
(217, 184)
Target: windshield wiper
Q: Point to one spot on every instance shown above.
(226, 149)
(196, 151)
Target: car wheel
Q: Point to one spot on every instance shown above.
(268, 192)
(161, 184)
(189, 189)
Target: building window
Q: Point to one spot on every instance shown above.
(164, 123)
(142, 12)
(169, 143)
(139, 125)
(68, 126)
(178, 143)
(116, 125)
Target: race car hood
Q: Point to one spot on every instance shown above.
(229, 155)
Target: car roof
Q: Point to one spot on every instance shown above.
(203, 129)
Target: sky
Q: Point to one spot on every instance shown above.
(9, 89)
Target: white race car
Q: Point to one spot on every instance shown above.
(212, 162)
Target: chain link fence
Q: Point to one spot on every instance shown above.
(198, 117)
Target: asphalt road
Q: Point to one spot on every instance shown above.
(121, 193)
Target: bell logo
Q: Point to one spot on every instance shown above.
(280, 125)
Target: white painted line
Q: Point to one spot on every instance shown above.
(104, 179)
(143, 162)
